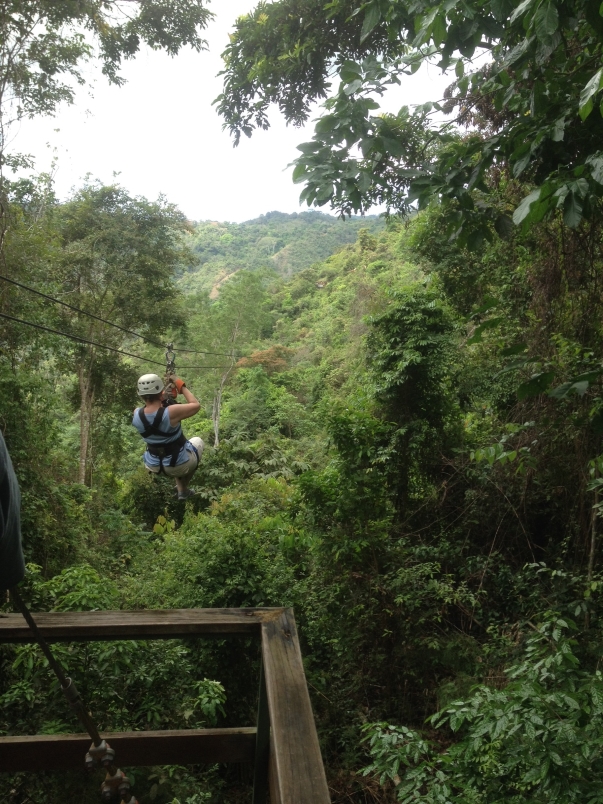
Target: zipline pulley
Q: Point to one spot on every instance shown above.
(169, 389)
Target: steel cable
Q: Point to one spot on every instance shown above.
(79, 339)
(104, 320)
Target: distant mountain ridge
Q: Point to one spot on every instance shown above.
(286, 243)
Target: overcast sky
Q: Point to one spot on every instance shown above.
(162, 135)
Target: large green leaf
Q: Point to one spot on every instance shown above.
(327, 123)
(588, 93)
(517, 349)
(299, 174)
(596, 167)
(546, 20)
(523, 210)
(572, 210)
(521, 9)
(578, 385)
(349, 89)
(504, 226)
(371, 18)
(491, 323)
(537, 384)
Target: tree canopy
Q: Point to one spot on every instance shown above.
(526, 82)
(43, 45)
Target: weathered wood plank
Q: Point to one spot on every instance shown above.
(133, 748)
(297, 773)
(147, 624)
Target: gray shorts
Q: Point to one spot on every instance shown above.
(186, 468)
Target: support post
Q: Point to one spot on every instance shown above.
(262, 744)
(296, 771)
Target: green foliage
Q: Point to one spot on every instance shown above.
(412, 358)
(379, 469)
(536, 735)
(128, 275)
(144, 495)
(411, 355)
(285, 244)
(207, 563)
(45, 43)
(349, 497)
(531, 107)
(257, 404)
(128, 685)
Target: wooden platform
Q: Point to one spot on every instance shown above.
(284, 746)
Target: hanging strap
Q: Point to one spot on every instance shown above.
(152, 428)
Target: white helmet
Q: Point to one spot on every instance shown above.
(150, 384)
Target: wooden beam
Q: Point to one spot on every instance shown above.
(262, 746)
(274, 787)
(297, 773)
(132, 748)
(68, 626)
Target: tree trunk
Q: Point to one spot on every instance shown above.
(215, 415)
(217, 406)
(86, 402)
(591, 552)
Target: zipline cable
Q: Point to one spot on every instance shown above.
(116, 782)
(67, 685)
(104, 320)
(78, 339)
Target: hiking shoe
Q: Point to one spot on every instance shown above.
(186, 494)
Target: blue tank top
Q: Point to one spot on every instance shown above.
(171, 431)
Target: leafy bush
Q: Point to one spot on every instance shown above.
(537, 736)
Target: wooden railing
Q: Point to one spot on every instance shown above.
(283, 746)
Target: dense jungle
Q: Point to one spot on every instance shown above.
(402, 417)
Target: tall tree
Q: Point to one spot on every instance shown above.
(44, 45)
(237, 317)
(118, 259)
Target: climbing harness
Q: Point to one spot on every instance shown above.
(116, 783)
(172, 448)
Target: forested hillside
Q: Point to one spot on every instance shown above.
(385, 465)
(283, 243)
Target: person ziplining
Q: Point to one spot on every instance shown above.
(159, 423)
